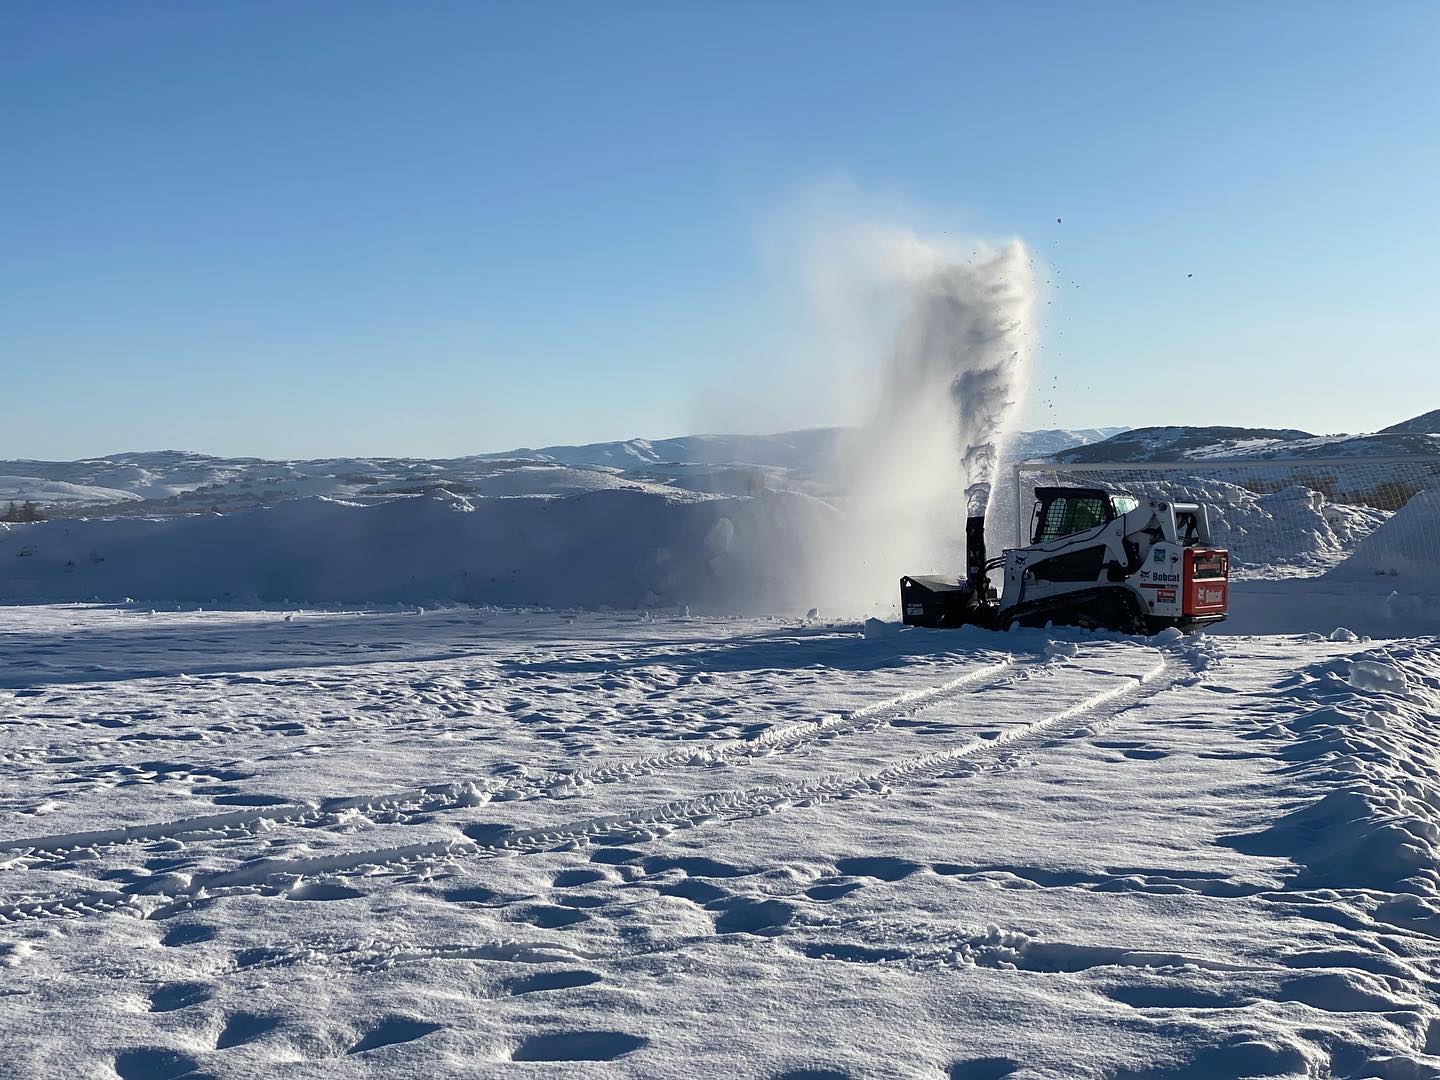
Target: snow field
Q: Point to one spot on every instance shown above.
(498, 843)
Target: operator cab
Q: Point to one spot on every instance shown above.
(1065, 511)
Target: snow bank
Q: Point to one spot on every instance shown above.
(1370, 742)
(1407, 546)
(619, 548)
(1388, 587)
(1287, 533)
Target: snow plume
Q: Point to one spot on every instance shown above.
(944, 389)
(960, 361)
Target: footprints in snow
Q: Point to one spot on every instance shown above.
(391, 1031)
(179, 996)
(746, 916)
(245, 1027)
(187, 934)
(826, 893)
(579, 1046)
(154, 1063)
(988, 1068)
(545, 981)
(884, 868)
(1135, 751)
(549, 917)
(471, 894)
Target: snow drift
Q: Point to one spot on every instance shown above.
(1368, 744)
(1407, 546)
(620, 548)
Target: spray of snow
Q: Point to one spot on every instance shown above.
(962, 356)
(944, 389)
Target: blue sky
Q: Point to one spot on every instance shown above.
(290, 229)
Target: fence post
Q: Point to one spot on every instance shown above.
(1019, 509)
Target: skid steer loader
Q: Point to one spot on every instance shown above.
(1095, 560)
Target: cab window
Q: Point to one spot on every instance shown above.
(1067, 515)
(1123, 504)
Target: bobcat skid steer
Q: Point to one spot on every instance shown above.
(1095, 560)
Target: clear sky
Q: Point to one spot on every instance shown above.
(426, 228)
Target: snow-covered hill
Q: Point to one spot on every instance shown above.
(1198, 443)
(168, 482)
(803, 450)
(1428, 423)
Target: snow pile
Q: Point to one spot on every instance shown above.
(618, 548)
(1407, 546)
(1291, 532)
(1388, 585)
(1370, 741)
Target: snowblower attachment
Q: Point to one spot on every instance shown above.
(946, 602)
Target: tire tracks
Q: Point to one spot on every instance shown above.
(434, 798)
(176, 892)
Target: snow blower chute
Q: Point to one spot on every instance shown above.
(1095, 560)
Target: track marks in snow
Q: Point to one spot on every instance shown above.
(270, 810)
(994, 947)
(262, 874)
(739, 803)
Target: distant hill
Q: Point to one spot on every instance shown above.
(1204, 443)
(788, 449)
(1424, 424)
(171, 482)
(1183, 442)
(1032, 444)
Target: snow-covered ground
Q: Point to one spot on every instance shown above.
(324, 831)
(475, 842)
